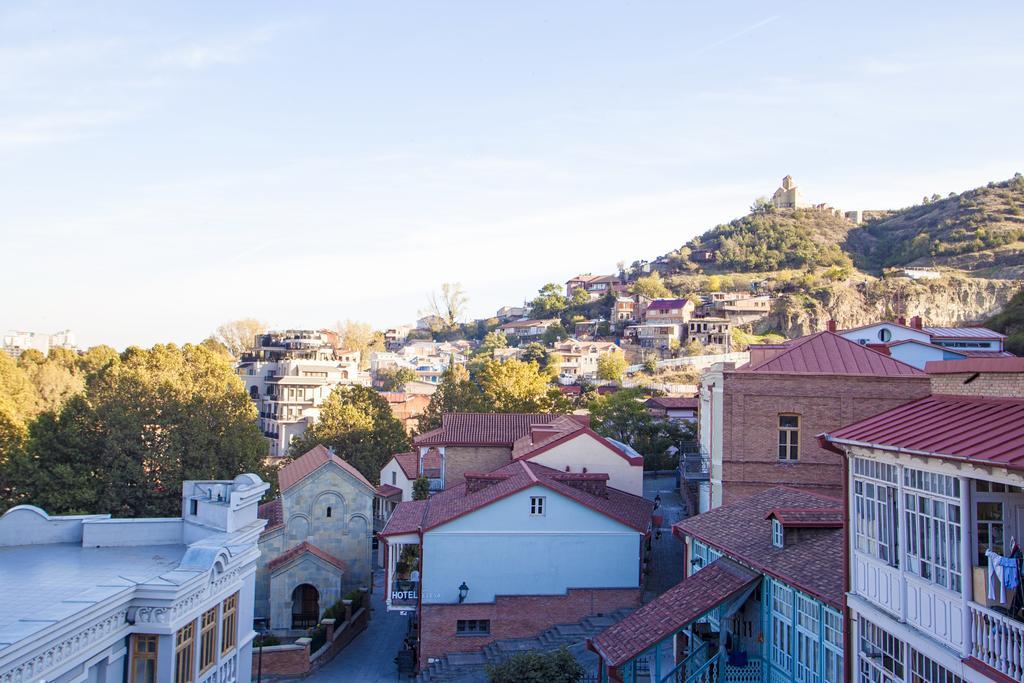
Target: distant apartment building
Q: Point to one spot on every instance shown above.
(579, 358)
(629, 309)
(758, 422)
(427, 359)
(669, 311)
(17, 342)
(742, 310)
(289, 374)
(98, 599)
(395, 337)
(596, 286)
(508, 313)
(713, 332)
(528, 330)
(660, 336)
(935, 509)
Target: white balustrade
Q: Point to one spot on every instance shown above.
(997, 640)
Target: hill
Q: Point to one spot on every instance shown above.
(1011, 323)
(979, 231)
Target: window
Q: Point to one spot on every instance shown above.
(473, 627)
(144, 656)
(193, 507)
(989, 516)
(208, 640)
(328, 510)
(874, 513)
(536, 505)
(184, 653)
(807, 654)
(926, 670)
(884, 335)
(394, 478)
(778, 534)
(703, 555)
(789, 437)
(833, 653)
(933, 527)
(879, 655)
(228, 623)
(782, 626)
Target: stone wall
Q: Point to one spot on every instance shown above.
(514, 617)
(751, 407)
(461, 459)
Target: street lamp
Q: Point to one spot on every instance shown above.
(463, 592)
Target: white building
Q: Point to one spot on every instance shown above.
(17, 342)
(90, 598)
(579, 358)
(289, 374)
(935, 498)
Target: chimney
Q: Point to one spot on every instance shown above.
(594, 483)
(916, 322)
(901, 321)
(831, 325)
(540, 432)
(478, 481)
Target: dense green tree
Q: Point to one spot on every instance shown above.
(421, 488)
(537, 667)
(1010, 321)
(97, 358)
(456, 393)
(549, 302)
(580, 297)
(395, 379)
(493, 340)
(534, 352)
(612, 366)
(357, 424)
(554, 333)
(623, 416)
(17, 392)
(142, 425)
(519, 387)
(651, 286)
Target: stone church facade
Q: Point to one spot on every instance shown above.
(318, 542)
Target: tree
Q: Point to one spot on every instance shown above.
(612, 366)
(421, 488)
(537, 667)
(492, 341)
(534, 352)
(239, 336)
(580, 297)
(456, 393)
(396, 379)
(142, 426)
(449, 305)
(762, 205)
(361, 337)
(554, 333)
(549, 302)
(651, 286)
(622, 416)
(519, 387)
(357, 424)
(55, 383)
(693, 348)
(97, 358)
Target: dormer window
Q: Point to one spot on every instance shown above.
(778, 535)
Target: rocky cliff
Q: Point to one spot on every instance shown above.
(950, 300)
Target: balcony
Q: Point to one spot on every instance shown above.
(695, 466)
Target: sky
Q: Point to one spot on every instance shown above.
(169, 166)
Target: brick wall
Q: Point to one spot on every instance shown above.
(461, 459)
(282, 660)
(984, 384)
(752, 404)
(515, 617)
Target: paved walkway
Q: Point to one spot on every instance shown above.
(370, 658)
(667, 551)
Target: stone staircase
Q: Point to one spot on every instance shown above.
(470, 667)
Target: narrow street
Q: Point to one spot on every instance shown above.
(667, 551)
(370, 658)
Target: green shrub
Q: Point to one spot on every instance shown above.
(537, 667)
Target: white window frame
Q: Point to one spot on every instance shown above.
(778, 534)
(808, 626)
(875, 509)
(537, 506)
(924, 669)
(933, 527)
(879, 654)
(832, 640)
(782, 626)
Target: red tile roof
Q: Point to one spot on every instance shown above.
(410, 464)
(566, 428)
(826, 353)
(388, 491)
(982, 430)
(963, 333)
(947, 367)
(802, 518)
(306, 547)
(273, 512)
(670, 402)
(482, 429)
(444, 506)
(685, 602)
(742, 531)
(314, 459)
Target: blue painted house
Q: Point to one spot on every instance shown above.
(762, 601)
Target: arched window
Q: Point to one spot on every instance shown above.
(328, 510)
(884, 335)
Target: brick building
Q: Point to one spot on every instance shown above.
(978, 377)
(758, 423)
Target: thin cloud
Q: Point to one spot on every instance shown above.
(734, 36)
(236, 49)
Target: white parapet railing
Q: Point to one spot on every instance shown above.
(998, 641)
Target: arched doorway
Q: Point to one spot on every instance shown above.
(305, 606)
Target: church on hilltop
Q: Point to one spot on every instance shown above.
(788, 196)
